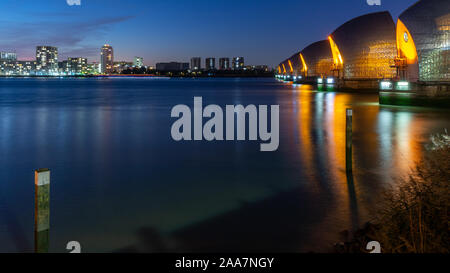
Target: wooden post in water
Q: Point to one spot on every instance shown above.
(42, 210)
(348, 140)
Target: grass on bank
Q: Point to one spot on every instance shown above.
(413, 216)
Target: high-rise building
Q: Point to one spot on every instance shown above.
(8, 56)
(210, 63)
(47, 59)
(196, 63)
(138, 62)
(238, 63)
(107, 59)
(224, 64)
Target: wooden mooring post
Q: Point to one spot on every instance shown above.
(42, 210)
(349, 141)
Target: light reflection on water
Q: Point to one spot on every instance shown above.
(119, 183)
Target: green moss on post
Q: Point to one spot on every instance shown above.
(42, 210)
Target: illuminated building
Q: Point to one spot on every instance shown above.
(8, 56)
(263, 68)
(210, 63)
(94, 68)
(107, 59)
(77, 66)
(196, 63)
(365, 47)
(120, 66)
(47, 60)
(238, 63)
(224, 64)
(14, 67)
(138, 62)
(423, 41)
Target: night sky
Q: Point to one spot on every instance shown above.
(262, 31)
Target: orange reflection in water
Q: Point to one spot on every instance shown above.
(304, 98)
(334, 124)
(400, 142)
(386, 146)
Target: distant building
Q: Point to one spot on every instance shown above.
(210, 63)
(118, 67)
(172, 66)
(238, 63)
(63, 67)
(138, 62)
(25, 67)
(107, 59)
(8, 56)
(10, 67)
(224, 64)
(46, 59)
(260, 68)
(196, 63)
(94, 68)
(76, 66)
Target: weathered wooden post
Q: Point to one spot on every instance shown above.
(42, 210)
(348, 141)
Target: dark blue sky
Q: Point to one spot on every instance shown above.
(262, 31)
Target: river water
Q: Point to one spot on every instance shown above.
(119, 183)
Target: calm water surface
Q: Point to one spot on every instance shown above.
(119, 182)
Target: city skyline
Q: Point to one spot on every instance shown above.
(48, 63)
(166, 31)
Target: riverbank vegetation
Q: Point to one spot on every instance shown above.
(413, 216)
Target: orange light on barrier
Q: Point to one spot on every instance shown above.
(337, 57)
(405, 44)
(290, 65)
(284, 69)
(304, 66)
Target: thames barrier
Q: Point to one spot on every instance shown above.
(406, 61)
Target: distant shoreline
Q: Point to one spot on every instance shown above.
(138, 76)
